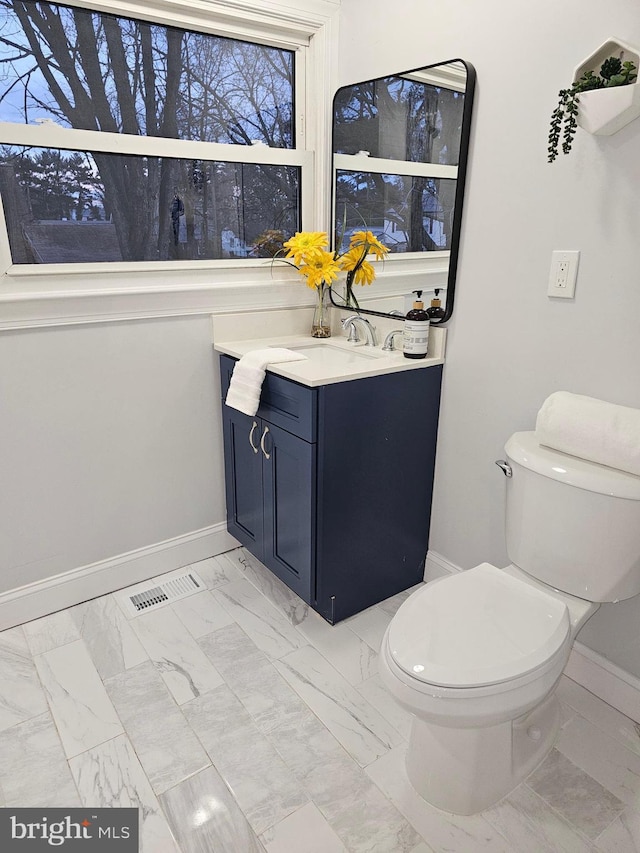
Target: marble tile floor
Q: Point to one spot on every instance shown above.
(239, 721)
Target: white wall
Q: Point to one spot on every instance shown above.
(110, 441)
(509, 345)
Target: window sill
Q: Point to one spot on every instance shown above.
(61, 308)
(37, 298)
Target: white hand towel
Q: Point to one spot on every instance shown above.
(248, 375)
(591, 429)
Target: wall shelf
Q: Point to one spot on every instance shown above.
(606, 111)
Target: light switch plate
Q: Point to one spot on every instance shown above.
(563, 274)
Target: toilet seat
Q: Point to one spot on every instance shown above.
(478, 628)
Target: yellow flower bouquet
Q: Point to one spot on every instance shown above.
(307, 251)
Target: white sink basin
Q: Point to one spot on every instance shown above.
(330, 355)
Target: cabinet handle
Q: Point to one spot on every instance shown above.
(264, 435)
(253, 429)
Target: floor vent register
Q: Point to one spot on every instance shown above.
(151, 595)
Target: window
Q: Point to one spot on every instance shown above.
(127, 140)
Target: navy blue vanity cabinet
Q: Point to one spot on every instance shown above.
(270, 478)
(330, 487)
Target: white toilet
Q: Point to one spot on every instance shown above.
(476, 656)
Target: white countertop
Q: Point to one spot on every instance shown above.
(332, 360)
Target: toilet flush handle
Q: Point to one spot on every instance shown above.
(504, 467)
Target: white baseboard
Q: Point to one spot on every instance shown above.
(55, 593)
(591, 670)
(437, 566)
(609, 682)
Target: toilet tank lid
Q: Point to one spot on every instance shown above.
(476, 628)
(524, 448)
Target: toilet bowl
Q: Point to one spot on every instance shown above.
(475, 656)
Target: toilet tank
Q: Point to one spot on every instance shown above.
(572, 524)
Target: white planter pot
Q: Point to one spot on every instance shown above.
(605, 111)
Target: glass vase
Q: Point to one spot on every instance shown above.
(321, 323)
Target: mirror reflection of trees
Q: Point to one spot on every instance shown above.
(398, 118)
(408, 214)
(101, 72)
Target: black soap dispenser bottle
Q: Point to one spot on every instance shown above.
(415, 340)
(436, 311)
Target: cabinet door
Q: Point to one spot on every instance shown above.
(243, 480)
(288, 467)
(376, 457)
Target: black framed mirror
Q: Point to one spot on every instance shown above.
(400, 147)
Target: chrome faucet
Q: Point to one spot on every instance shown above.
(369, 331)
(348, 324)
(388, 345)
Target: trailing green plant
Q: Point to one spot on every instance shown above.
(613, 72)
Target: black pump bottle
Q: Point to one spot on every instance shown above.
(416, 330)
(436, 311)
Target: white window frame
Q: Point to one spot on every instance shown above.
(45, 294)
